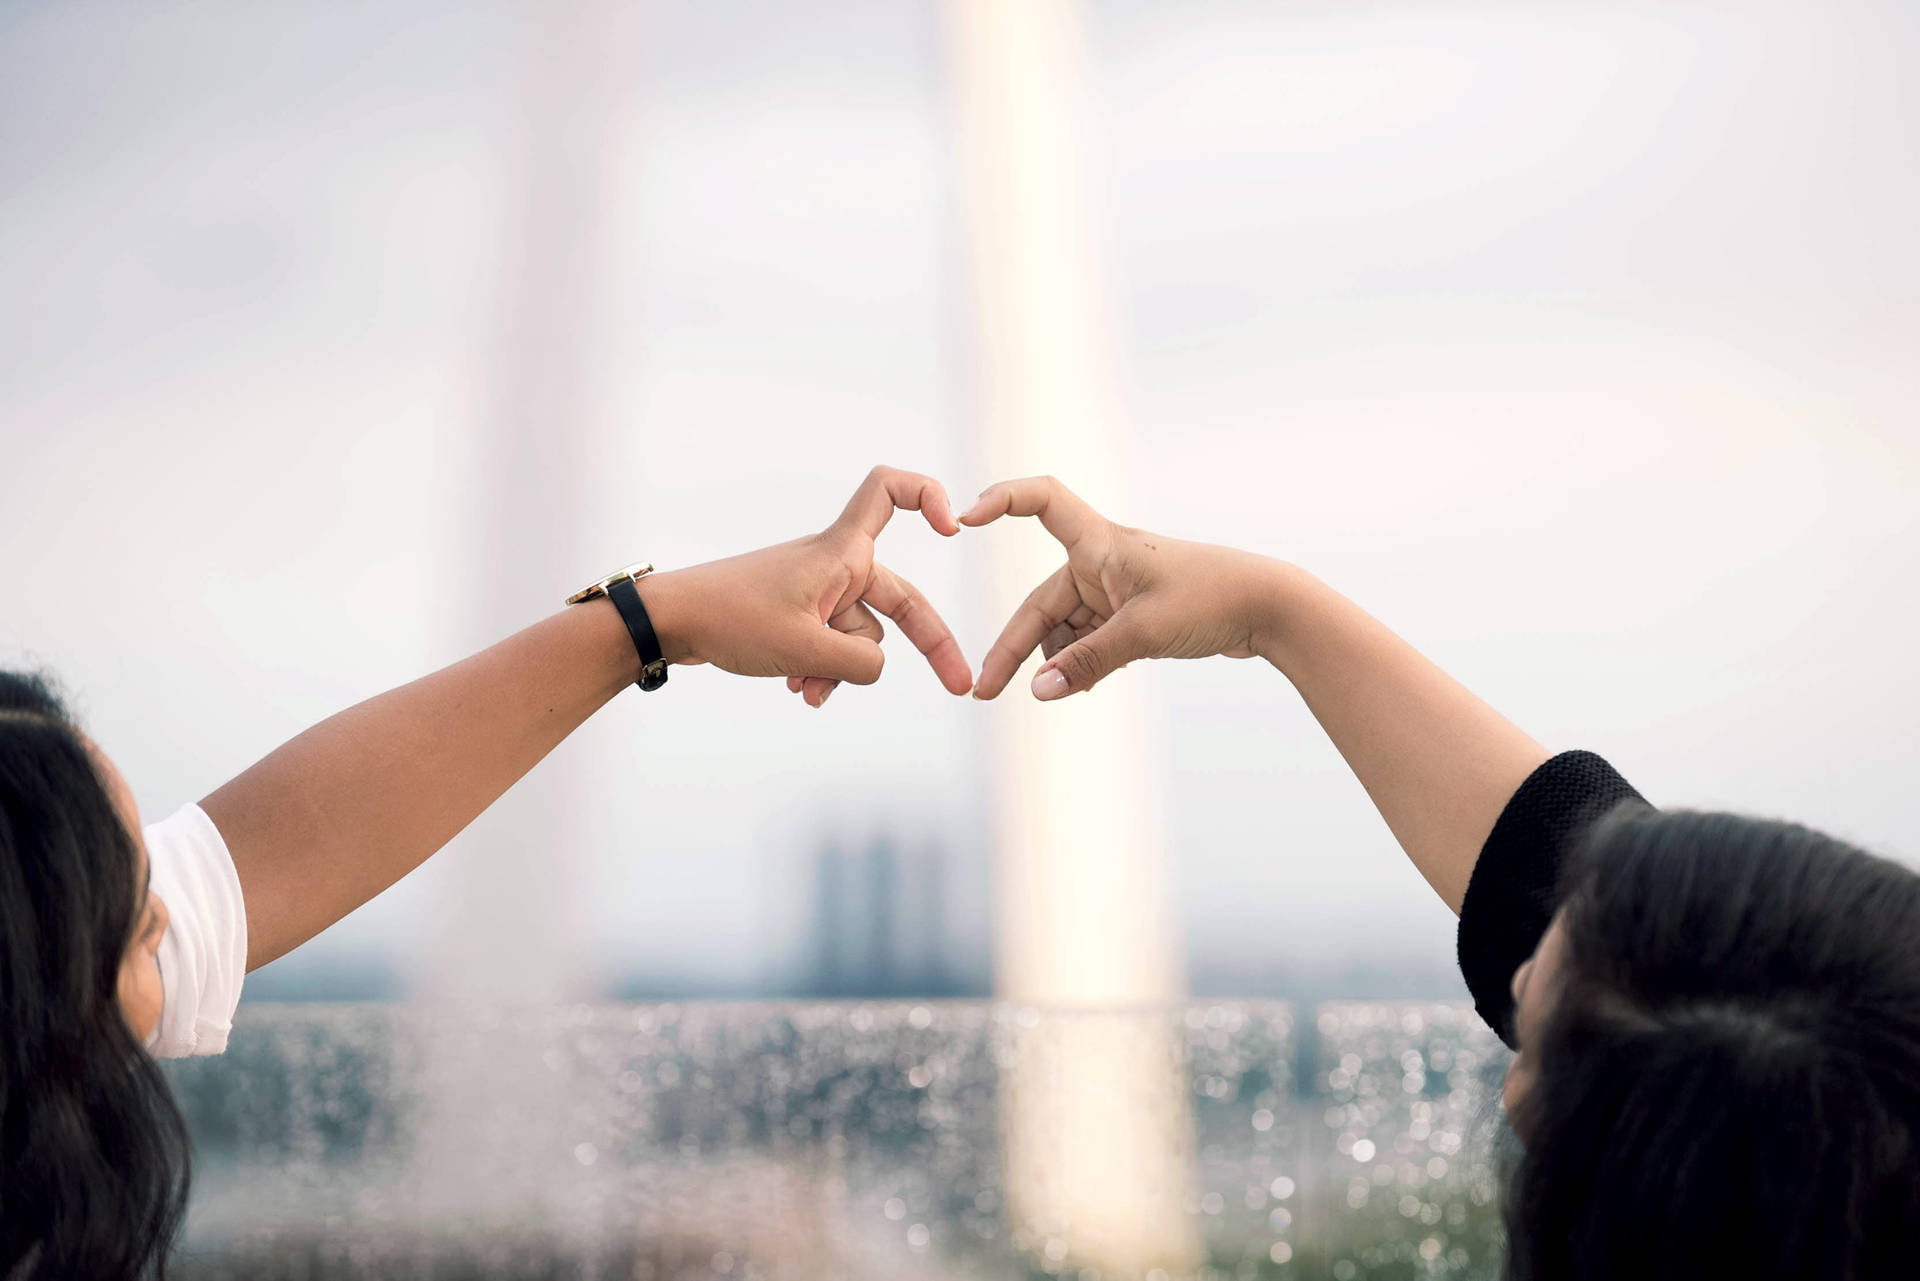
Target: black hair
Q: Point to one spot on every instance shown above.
(1728, 1080)
(93, 1153)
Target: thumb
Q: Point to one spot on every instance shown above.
(1088, 661)
(834, 655)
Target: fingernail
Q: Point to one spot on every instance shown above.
(1049, 684)
(824, 697)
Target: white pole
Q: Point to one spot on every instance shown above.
(509, 928)
(1098, 1132)
(509, 925)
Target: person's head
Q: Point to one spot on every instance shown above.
(93, 1154)
(1719, 1069)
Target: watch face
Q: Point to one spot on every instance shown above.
(635, 570)
(587, 593)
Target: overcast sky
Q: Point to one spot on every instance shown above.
(1575, 341)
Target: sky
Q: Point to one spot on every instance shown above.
(1574, 341)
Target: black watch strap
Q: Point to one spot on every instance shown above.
(653, 664)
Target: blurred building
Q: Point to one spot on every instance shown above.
(880, 927)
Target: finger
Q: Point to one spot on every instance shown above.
(901, 601)
(1106, 649)
(855, 620)
(887, 489)
(1043, 610)
(1058, 639)
(835, 656)
(1065, 515)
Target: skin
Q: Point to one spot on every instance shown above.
(1438, 763)
(344, 810)
(139, 986)
(1535, 986)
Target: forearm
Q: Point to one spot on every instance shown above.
(347, 808)
(1439, 764)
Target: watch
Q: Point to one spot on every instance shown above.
(618, 587)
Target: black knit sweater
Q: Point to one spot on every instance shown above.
(1515, 886)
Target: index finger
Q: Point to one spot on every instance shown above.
(887, 489)
(1064, 513)
(1048, 606)
(901, 601)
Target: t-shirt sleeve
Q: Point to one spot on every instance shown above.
(203, 955)
(1515, 885)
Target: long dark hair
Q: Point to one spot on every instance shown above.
(1728, 1081)
(93, 1153)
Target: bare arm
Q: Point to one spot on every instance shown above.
(1439, 764)
(344, 810)
(347, 808)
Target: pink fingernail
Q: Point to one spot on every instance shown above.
(1050, 684)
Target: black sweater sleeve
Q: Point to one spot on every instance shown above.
(1516, 882)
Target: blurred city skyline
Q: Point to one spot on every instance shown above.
(1574, 343)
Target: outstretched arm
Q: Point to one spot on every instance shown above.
(1439, 764)
(347, 808)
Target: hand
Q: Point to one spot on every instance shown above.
(1123, 594)
(805, 609)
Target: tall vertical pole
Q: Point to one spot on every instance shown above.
(508, 928)
(1098, 1132)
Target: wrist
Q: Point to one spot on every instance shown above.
(672, 607)
(1275, 606)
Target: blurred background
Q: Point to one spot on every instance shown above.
(1575, 341)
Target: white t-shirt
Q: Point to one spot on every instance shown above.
(203, 955)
